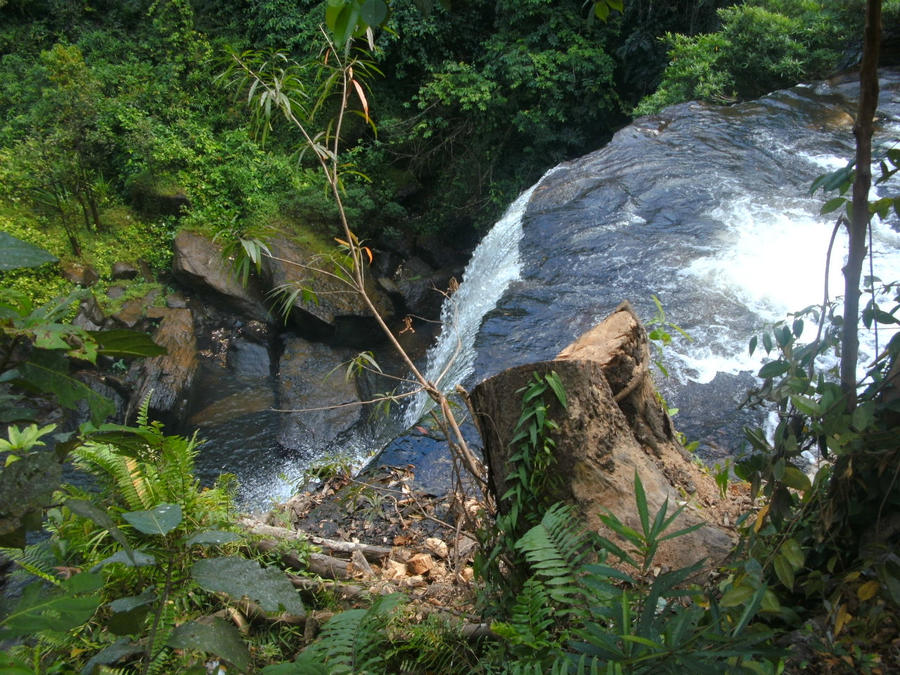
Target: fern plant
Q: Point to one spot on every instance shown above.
(530, 480)
(576, 613)
(353, 641)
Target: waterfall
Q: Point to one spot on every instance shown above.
(494, 265)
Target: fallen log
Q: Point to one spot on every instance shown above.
(371, 552)
(325, 566)
(614, 426)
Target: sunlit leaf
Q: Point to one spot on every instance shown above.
(159, 520)
(216, 637)
(15, 253)
(126, 343)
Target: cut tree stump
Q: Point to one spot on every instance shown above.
(613, 426)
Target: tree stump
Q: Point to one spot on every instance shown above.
(613, 426)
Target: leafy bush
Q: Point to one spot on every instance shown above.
(761, 46)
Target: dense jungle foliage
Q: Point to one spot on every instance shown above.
(114, 121)
(117, 130)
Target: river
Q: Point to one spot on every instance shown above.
(705, 207)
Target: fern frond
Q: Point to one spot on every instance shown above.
(159, 661)
(37, 560)
(556, 548)
(531, 618)
(120, 474)
(175, 469)
(352, 641)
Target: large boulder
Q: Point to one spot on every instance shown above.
(316, 401)
(198, 264)
(613, 427)
(291, 265)
(167, 379)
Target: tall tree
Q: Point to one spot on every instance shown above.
(858, 226)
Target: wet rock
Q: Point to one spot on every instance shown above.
(83, 275)
(167, 379)
(251, 400)
(336, 301)
(256, 331)
(133, 311)
(419, 286)
(320, 398)
(176, 301)
(90, 315)
(124, 270)
(248, 359)
(198, 264)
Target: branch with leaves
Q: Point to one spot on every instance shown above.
(273, 83)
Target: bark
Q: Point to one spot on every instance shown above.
(613, 427)
(859, 223)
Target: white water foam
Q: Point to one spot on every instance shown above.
(772, 262)
(494, 265)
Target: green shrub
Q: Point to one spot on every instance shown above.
(761, 46)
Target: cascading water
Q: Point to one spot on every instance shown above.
(494, 265)
(706, 207)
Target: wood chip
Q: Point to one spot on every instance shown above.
(420, 563)
(437, 546)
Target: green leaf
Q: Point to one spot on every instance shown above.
(239, 577)
(216, 637)
(161, 519)
(793, 553)
(373, 12)
(773, 369)
(126, 343)
(133, 602)
(48, 371)
(115, 652)
(640, 498)
(133, 559)
(784, 571)
(56, 609)
(208, 537)
(737, 595)
(128, 613)
(832, 205)
(86, 509)
(795, 478)
(556, 385)
(805, 404)
(15, 254)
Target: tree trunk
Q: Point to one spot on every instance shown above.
(859, 223)
(612, 428)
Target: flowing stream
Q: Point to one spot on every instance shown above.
(705, 207)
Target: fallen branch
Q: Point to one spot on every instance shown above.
(318, 563)
(371, 552)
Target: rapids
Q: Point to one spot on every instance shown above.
(706, 207)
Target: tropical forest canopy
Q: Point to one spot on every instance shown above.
(113, 119)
